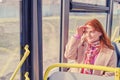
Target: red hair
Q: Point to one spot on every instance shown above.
(98, 27)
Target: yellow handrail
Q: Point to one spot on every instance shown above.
(115, 32)
(117, 39)
(27, 52)
(26, 76)
(103, 68)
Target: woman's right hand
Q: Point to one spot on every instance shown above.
(80, 30)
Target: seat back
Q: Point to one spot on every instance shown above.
(117, 50)
(77, 76)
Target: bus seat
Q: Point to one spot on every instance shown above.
(117, 50)
(76, 76)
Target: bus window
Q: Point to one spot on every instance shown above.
(9, 38)
(78, 19)
(116, 21)
(51, 32)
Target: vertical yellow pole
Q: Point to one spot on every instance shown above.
(117, 74)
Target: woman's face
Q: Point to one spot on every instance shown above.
(91, 34)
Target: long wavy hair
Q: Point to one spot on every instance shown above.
(104, 39)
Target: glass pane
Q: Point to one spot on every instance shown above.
(51, 32)
(1, 0)
(78, 19)
(9, 38)
(116, 21)
(99, 2)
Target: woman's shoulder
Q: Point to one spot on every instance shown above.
(107, 50)
(108, 53)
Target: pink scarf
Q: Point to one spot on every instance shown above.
(91, 52)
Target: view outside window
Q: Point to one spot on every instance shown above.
(116, 21)
(78, 19)
(51, 32)
(9, 38)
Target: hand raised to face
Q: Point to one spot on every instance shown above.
(80, 30)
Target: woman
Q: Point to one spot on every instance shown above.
(91, 45)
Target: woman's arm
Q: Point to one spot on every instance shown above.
(71, 48)
(74, 42)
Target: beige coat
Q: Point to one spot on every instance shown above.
(75, 50)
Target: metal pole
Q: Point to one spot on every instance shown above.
(37, 40)
(25, 35)
(64, 27)
(40, 48)
(109, 3)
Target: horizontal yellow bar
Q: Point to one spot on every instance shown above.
(103, 68)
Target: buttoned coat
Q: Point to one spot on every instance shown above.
(75, 50)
